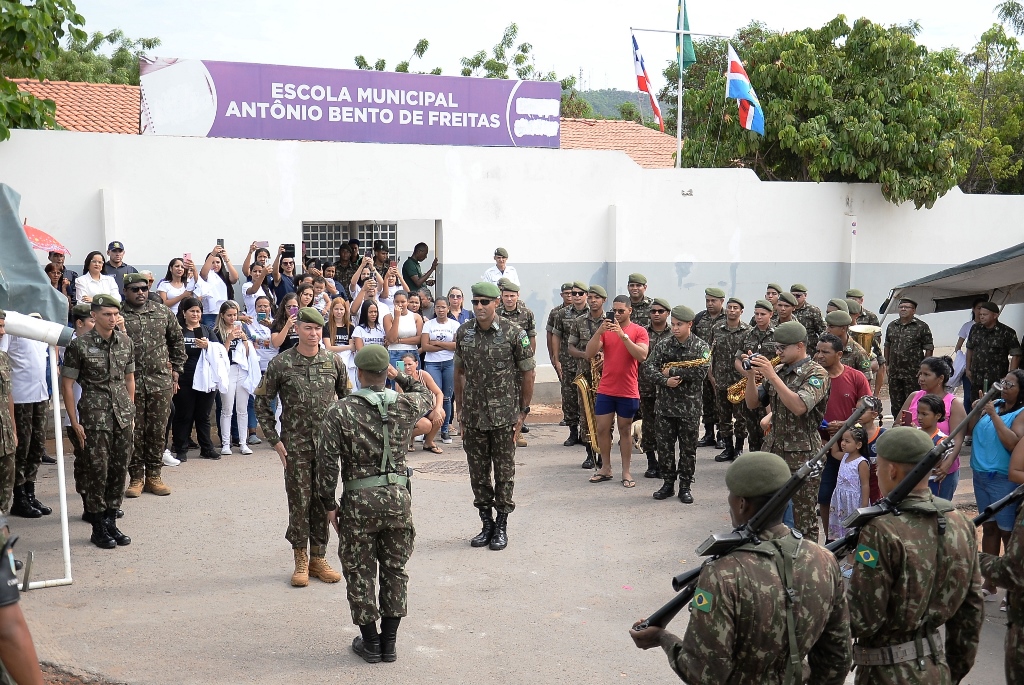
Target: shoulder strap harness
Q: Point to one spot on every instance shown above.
(387, 475)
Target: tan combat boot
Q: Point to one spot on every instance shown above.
(319, 568)
(134, 488)
(156, 485)
(301, 576)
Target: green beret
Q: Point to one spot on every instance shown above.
(756, 474)
(683, 313)
(505, 284)
(853, 292)
(135, 278)
(736, 300)
(788, 298)
(764, 304)
(501, 252)
(81, 311)
(715, 292)
(566, 286)
(855, 307)
(907, 299)
(991, 306)
(904, 444)
(776, 287)
(485, 289)
(373, 358)
(839, 303)
(661, 301)
(310, 315)
(798, 288)
(104, 300)
(598, 290)
(838, 318)
(790, 332)
(637, 278)
(579, 285)
(3, 315)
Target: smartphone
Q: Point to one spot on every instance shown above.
(238, 325)
(400, 366)
(187, 257)
(293, 310)
(392, 264)
(261, 316)
(907, 419)
(263, 243)
(369, 253)
(220, 241)
(289, 251)
(609, 315)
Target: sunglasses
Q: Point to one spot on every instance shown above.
(577, 293)
(484, 301)
(455, 297)
(287, 262)
(619, 311)
(659, 311)
(138, 289)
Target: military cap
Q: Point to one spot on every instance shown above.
(104, 300)
(736, 300)
(788, 298)
(115, 245)
(756, 474)
(637, 278)
(715, 292)
(379, 245)
(81, 311)
(683, 313)
(904, 444)
(790, 332)
(501, 252)
(856, 308)
(130, 279)
(598, 290)
(506, 285)
(839, 303)
(798, 288)
(853, 292)
(991, 306)
(907, 299)
(566, 286)
(580, 285)
(373, 358)
(310, 315)
(485, 289)
(838, 318)
(764, 304)
(662, 302)
(776, 287)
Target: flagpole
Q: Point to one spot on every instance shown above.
(679, 122)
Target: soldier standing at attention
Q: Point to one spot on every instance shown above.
(866, 316)
(729, 338)
(367, 432)
(796, 392)
(704, 328)
(657, 331)
(28, 389)
(742, 606)
(565, 365)
(159, 358)
(583, 329)
(8, 431)
(908, 340)
(307, 378)
(549, 330)
(494, 373)
(854, 356)
(771, 295)
(913, 573)
(103, 363)
(678, 403)
(784, 308)
(638, 300)
(808, 315)
(989, 344)
(760, 339)
(514, 310)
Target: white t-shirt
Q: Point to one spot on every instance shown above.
(442, 332)
(260, 337)
(215, 293)
(28, 370)
(250, 300)
(84, 285)
(370, 337)
(492, 275)
(382, 311)
(165, 286)
(965, 330)
(406, 329)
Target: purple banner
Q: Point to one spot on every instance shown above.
(239, 100)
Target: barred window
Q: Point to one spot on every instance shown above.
(322, 239)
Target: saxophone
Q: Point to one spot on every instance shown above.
(737, 390)
(588, 399)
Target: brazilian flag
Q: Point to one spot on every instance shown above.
(702, 601)
(867, 556)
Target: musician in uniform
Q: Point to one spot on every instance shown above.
(784, 308)
(771, 295)
(866, 316)
(704, 325)
(808, 315)
(638, 300)
(565, 365)
(583, 329)
(728, 341)
(657, 331)
(760, 339)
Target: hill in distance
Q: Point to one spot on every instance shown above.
(607, 100)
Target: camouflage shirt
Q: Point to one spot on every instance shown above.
(563, 329)
(100, 366)
(811, 318)
(684, 400)
(856, 357)
(493, 361)
(1008, 571)
(647, 387)
(553, 316)
(306, 385)
(868, 318)
(738, 623)
(704, 325)
(6, 420)
(758, 342)
(728, 342)
(908, 575)
(906, 343)
(521, 315)
(990, 349)
(584, 328)
(792, 433)
(159, 345)
(641, 314)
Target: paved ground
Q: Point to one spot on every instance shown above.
(202, 594)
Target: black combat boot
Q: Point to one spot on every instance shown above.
(739, 446)
(574, 437)
(487, 531)
(709, 437)
(720, 442)
(684, 492)
(729, 453)
(666, 491)
(367, 644)
(30, 492)
(388, 637)
(500, 538)
(588, 463)
(22, 506)
(110, 522)
(652, 466)
(100, 537)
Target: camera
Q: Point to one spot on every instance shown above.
(746, 362)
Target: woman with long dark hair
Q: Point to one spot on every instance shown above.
(233, 335)
(219, 288)
(177, 284)
(283, 334)
(93, 281)
(190, 405)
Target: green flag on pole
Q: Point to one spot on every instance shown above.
(684, 43)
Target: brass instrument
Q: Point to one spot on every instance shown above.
(865, 335)
(738, 390)
(588, 399)
(688, 364)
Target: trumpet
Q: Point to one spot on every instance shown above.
(737, 390)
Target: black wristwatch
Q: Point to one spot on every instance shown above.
(525, 410)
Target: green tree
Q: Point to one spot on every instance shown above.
(506, 55)
(82, 59)
(574, 106)
(417, 53)
(628, 111)
(29, 36)
(1012, 13)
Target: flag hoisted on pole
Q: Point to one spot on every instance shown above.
(738, 86)
(684, 58)
(643, 82)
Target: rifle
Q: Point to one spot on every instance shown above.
(994, 508)
(890, 503)
(719, 545)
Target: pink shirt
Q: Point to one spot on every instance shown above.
(619, 377)
(943, 425)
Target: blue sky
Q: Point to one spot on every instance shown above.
(568, 36)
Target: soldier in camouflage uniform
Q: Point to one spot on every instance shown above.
(771, 296)
(854, 356)
(703, 327)
(988, 346)
(494, 373)
(784, 308)
(20, 663)
(565, 365)
(516, 311)
(728, 341)
(808, 315)
(638, 300)
(8, 433)
(908, 340)
(103, 363)
(865, 317)
(911, 574)
(583, 329)
(760, 339)
(306, 378)
(31, 400)
(549, 328)
(678, 404)
(657, 331)
(159, 358)
(1008, 571)
(744, 628)
(374, 524)
(802, 382)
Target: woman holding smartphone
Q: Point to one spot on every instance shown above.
(403, 327)
(190, 405)
(283, 333)
(177, 284)
(217, 287)
(231, 333)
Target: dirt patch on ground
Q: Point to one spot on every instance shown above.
(54, 675)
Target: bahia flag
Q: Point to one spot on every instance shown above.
(644, 83)
(738, 87)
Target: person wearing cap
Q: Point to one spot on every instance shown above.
(760, 339)
(28, 359)
(373, 519)
(808, 315)
(866, 316)
(657, 331)
(549, 328)
(82, 321)
(992, 349)
(742, 629)
(771, 295)
(513, 309)
(8, 429)
(102, 362)
(565, 365)
(494, 374)
(636, 285)
(678, 404)
(704, 326)
(728, 342)
(795, 391)
(838, 323)
(908, 340)
(583, 329)
(835, 304)
(116, 267)
(307, 379)
(784, 308)
(501, 269)
(913, 573)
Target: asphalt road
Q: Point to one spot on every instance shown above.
(203, 593)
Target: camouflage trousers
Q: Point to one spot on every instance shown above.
(709, 406)
(6, 482)
(30, 418)
(307, 518)
(649, 440)
(78, 449)
(486, 450)
(570, 398)
(727, 412)
(104, 468)
(152, 410)
(752, 417)
(1013, 648)
(672, 430)
(805, 500)
(374, 546)
(899, 390)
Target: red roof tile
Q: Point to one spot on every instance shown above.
(95, 107)
(648, 148)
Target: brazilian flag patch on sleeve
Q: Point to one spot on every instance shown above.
(867, 556)
(814, 381)
(702, 601)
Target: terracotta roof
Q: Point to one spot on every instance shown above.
(649, 148)
(95, 107)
